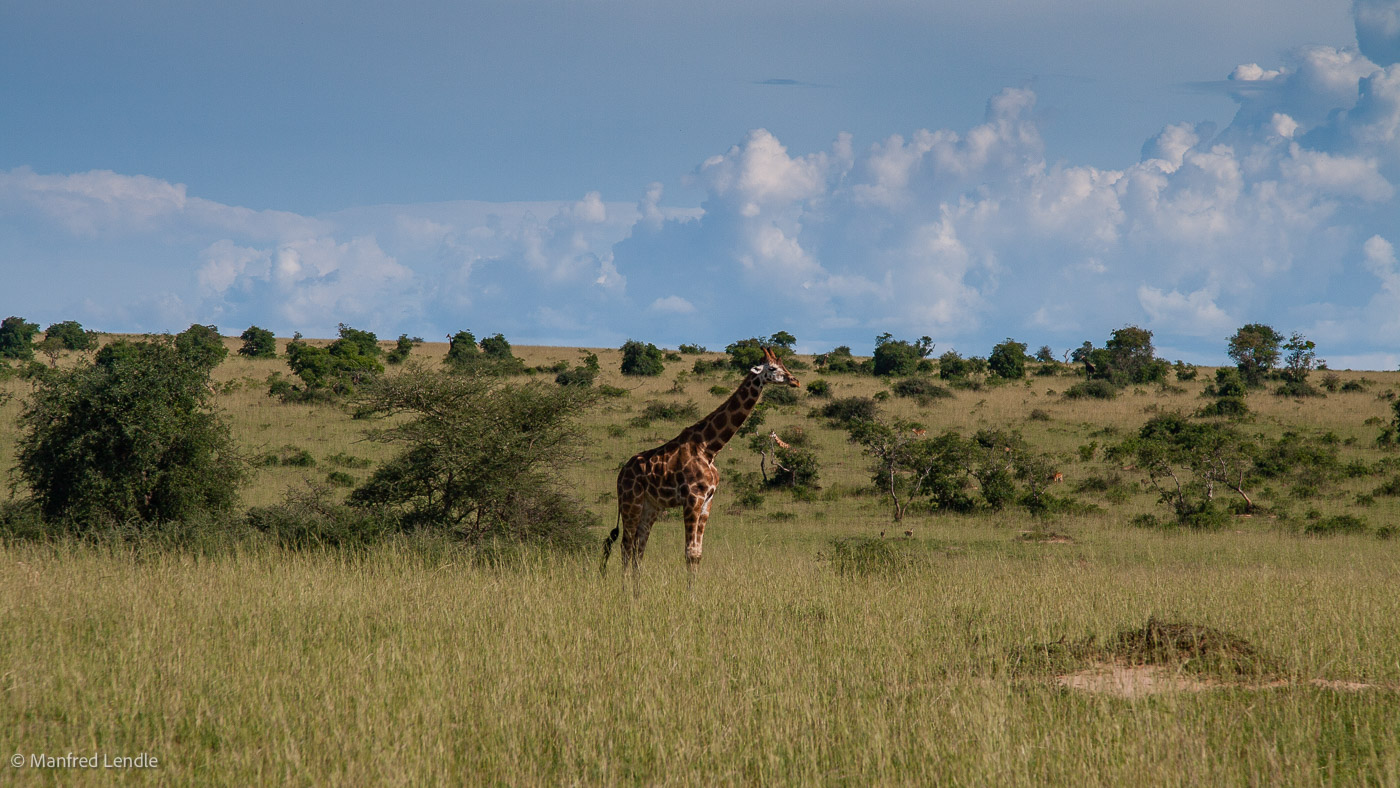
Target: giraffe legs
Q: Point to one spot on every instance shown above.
(637, 520)
(697, 513)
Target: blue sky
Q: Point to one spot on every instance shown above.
(580, 172)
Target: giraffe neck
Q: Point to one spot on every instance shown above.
(715, 430)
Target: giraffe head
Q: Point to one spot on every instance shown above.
(773, 371)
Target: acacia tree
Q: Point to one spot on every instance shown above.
(132, 437)
(1255, 349)
(1187, 462)
(907, 465)
(478, 456)
(258, 343)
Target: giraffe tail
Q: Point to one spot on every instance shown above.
(608, 543)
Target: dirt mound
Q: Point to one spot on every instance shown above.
(1179, 646)
(1191, 646)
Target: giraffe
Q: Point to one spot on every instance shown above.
(681, 472)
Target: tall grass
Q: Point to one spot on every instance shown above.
(401, 667)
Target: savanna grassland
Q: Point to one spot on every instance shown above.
(983, 648)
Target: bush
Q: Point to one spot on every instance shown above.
(642, 360)
(326, 373)
(582, 375)
(478, 457)
(462, 350)
(691, 350)
(703, 367)
(1298, 388)
(17, 338)
(366, 343)
(1092, 389)
(202, 345)
(402, 348)
(71, 336)
(898, 356)
(819, 389)
(1225, 407)
(797, 467)
(313, 519)
(1008, 360)
(848, 410)
(133, 437)
(258, 343)
(1228, 383)
(920, 388)
(668, 411)
(780, 395)
(1339, 524)
(840, 360)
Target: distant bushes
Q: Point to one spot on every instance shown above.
(644, 360)
(920, 388)
(848, 410)
(1092, 389)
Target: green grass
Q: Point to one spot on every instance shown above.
(409, 665)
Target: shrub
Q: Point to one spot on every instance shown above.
(326, 372)
(1091, 389)
(898, 356)
(313, 519)
(71, 336)
(691, 350)
(1008, 360)
(202, 345)
(17, 338)
(582, 375)
(462, 350)
(748, 353)
(364, 342)
(797, 467)
(952, 365)
(258, 343)
(133, 437)
(478, 457)
(340, 479)
(839, 360)
(668, 411)
(402, 348)
(819, 389)
(1298, 388)
(780, 395)
(848, 410)
(920, 388)
(1228, 383)
(703, 367)
(641, 359)
(1225, 407)
(1338, 524)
